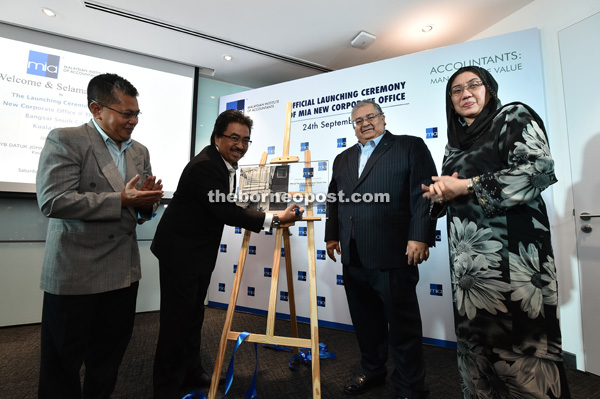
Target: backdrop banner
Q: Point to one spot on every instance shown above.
(410, 90)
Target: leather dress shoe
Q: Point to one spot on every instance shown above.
(360, 383)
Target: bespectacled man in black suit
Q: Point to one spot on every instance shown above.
(186, 244)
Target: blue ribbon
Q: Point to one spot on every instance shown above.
(192, 395)
(304, 353)
(277, 347)
(307, 357)
(250, 393)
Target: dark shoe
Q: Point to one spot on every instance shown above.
(360, 383)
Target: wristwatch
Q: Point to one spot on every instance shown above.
(275, 222)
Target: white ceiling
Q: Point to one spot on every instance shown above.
(271, 41)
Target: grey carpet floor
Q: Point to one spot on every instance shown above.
(19, 362)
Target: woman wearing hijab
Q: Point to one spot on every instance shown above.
(496, 164)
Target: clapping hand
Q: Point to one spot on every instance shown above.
(444, 188)
(150, 192)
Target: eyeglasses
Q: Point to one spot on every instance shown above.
(473, 85)
(126, 115)
(369, 118)
(235, 139)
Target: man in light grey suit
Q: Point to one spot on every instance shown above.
(89, 183)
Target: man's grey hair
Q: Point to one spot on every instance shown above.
(362, 103)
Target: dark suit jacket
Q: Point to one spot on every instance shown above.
(91, 245)
(398, 166)
(190, 230)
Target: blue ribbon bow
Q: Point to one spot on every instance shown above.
(250, 393)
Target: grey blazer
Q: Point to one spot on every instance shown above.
(91, 244)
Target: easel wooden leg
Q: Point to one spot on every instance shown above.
(314, 319)
(274, 284)
(290, 284)
(214, 384)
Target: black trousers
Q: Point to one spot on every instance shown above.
(179, 340)
(84, 329)
(386, 317)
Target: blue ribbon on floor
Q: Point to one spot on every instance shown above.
(278, 347)
(250, 393)
(307, 357)
(304, 353)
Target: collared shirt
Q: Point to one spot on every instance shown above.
(117, 154)
(366, 151)
(232, 189)
(231, 169)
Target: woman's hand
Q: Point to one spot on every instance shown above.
(445, 188)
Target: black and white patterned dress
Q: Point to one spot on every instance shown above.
(502, 264)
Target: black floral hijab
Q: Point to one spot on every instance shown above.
(461, 135)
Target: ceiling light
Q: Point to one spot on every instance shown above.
(427, 28)
(48, 12)
(227, 57)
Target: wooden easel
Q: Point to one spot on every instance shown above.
(283, 233)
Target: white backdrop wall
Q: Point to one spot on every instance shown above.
(410, 89)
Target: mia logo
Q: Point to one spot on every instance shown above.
(436, 290)
(438, 235)
(238, 230)
(271, 150)
(341, 143)
(251, 291)
(340, 279)
(223, 247)
(321, 254)
(321, 301)
(431, 133)
(308, 172)
(221, 287)
(268, 272)
(252, 250)
(301, 276)
(322, 165)
(283, 252)
(321, 209)
(302, 232)
(42, 64)
(239, 105)
(234, 268)
(304, 146)
(283, 296)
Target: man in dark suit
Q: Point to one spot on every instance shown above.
(381, 244)
(88, 183)
(186, 244)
